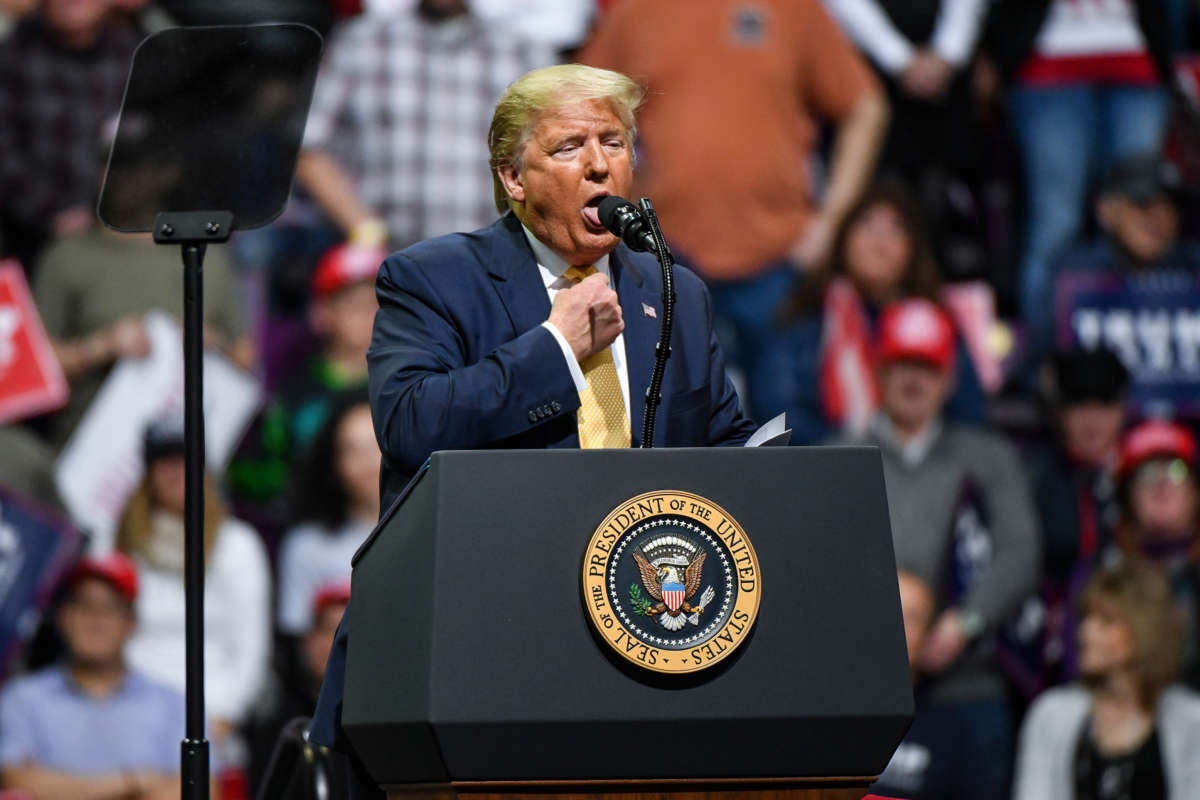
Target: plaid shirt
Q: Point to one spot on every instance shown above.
(53, 102)
(405, 104)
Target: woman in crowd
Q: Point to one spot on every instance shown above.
(822, 359)
(1123, 732)
(337, 503)
(237, 586)
(1160, 518)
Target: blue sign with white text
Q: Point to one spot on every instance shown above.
(1151, 320)
(36, 548)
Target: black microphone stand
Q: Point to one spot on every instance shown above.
(662, 350)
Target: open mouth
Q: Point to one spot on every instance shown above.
(591, 212)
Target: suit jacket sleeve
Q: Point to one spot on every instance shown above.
(427, 391)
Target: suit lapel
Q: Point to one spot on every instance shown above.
(516, 277)
(519, 285)
(641, 332)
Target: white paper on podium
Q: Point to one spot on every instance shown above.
(101, 465)
(773, 433)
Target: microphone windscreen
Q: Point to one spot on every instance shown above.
(609, 210)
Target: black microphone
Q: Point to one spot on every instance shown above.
(623, 218)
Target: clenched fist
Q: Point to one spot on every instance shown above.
(588, 315)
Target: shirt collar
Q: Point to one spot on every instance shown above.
(68, 681)
(911, 452)
(552, 264)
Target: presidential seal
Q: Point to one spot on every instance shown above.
(671, 582)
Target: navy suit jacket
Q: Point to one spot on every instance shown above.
(459, 360)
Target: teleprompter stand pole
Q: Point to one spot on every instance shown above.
(193, 231)
(194, 756)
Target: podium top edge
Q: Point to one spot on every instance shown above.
(568, 452)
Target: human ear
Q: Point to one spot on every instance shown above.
(510, 178)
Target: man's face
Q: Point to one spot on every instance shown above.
(1091, 431)
(1146, 231)
(917, 606)
(167, 482)
(1164, 499)
(913, 392)
(346, 318)
(75, 17)
(577, 155)
(95, 621)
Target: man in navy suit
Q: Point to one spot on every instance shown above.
(469, 350)
(482, 340)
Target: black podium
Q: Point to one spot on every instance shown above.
(473, 668)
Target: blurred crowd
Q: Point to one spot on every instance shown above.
(963, 231)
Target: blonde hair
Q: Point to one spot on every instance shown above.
(535, 92)
(1138, 594)
(133, 532)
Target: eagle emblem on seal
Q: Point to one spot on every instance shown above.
(671, 568)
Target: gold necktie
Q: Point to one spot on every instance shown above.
(601, 417)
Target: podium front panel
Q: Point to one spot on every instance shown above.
(472, 658)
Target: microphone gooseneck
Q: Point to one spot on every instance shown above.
(623, 219)
(662, 350)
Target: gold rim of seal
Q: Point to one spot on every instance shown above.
(607, 622)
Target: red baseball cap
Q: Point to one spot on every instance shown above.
(336, 593)
(345, 264)
(116, 568)
(915, 329)
(1155, 439)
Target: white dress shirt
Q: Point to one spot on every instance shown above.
(552, 266)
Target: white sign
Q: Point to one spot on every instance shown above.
(101, 465)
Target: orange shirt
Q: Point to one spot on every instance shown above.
(734, 90)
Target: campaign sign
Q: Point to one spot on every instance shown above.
(1150, 320)
(102, 463)
(30, 379)
(36, 548)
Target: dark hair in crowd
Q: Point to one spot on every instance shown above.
(921, 278)
(319, 493)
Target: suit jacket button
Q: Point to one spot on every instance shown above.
(556, 407)
(533, 417)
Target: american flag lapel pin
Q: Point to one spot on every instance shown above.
(649, 311)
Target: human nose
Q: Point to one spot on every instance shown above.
(596, 163)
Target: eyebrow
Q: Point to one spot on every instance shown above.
(558, 141)
(615, 130)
